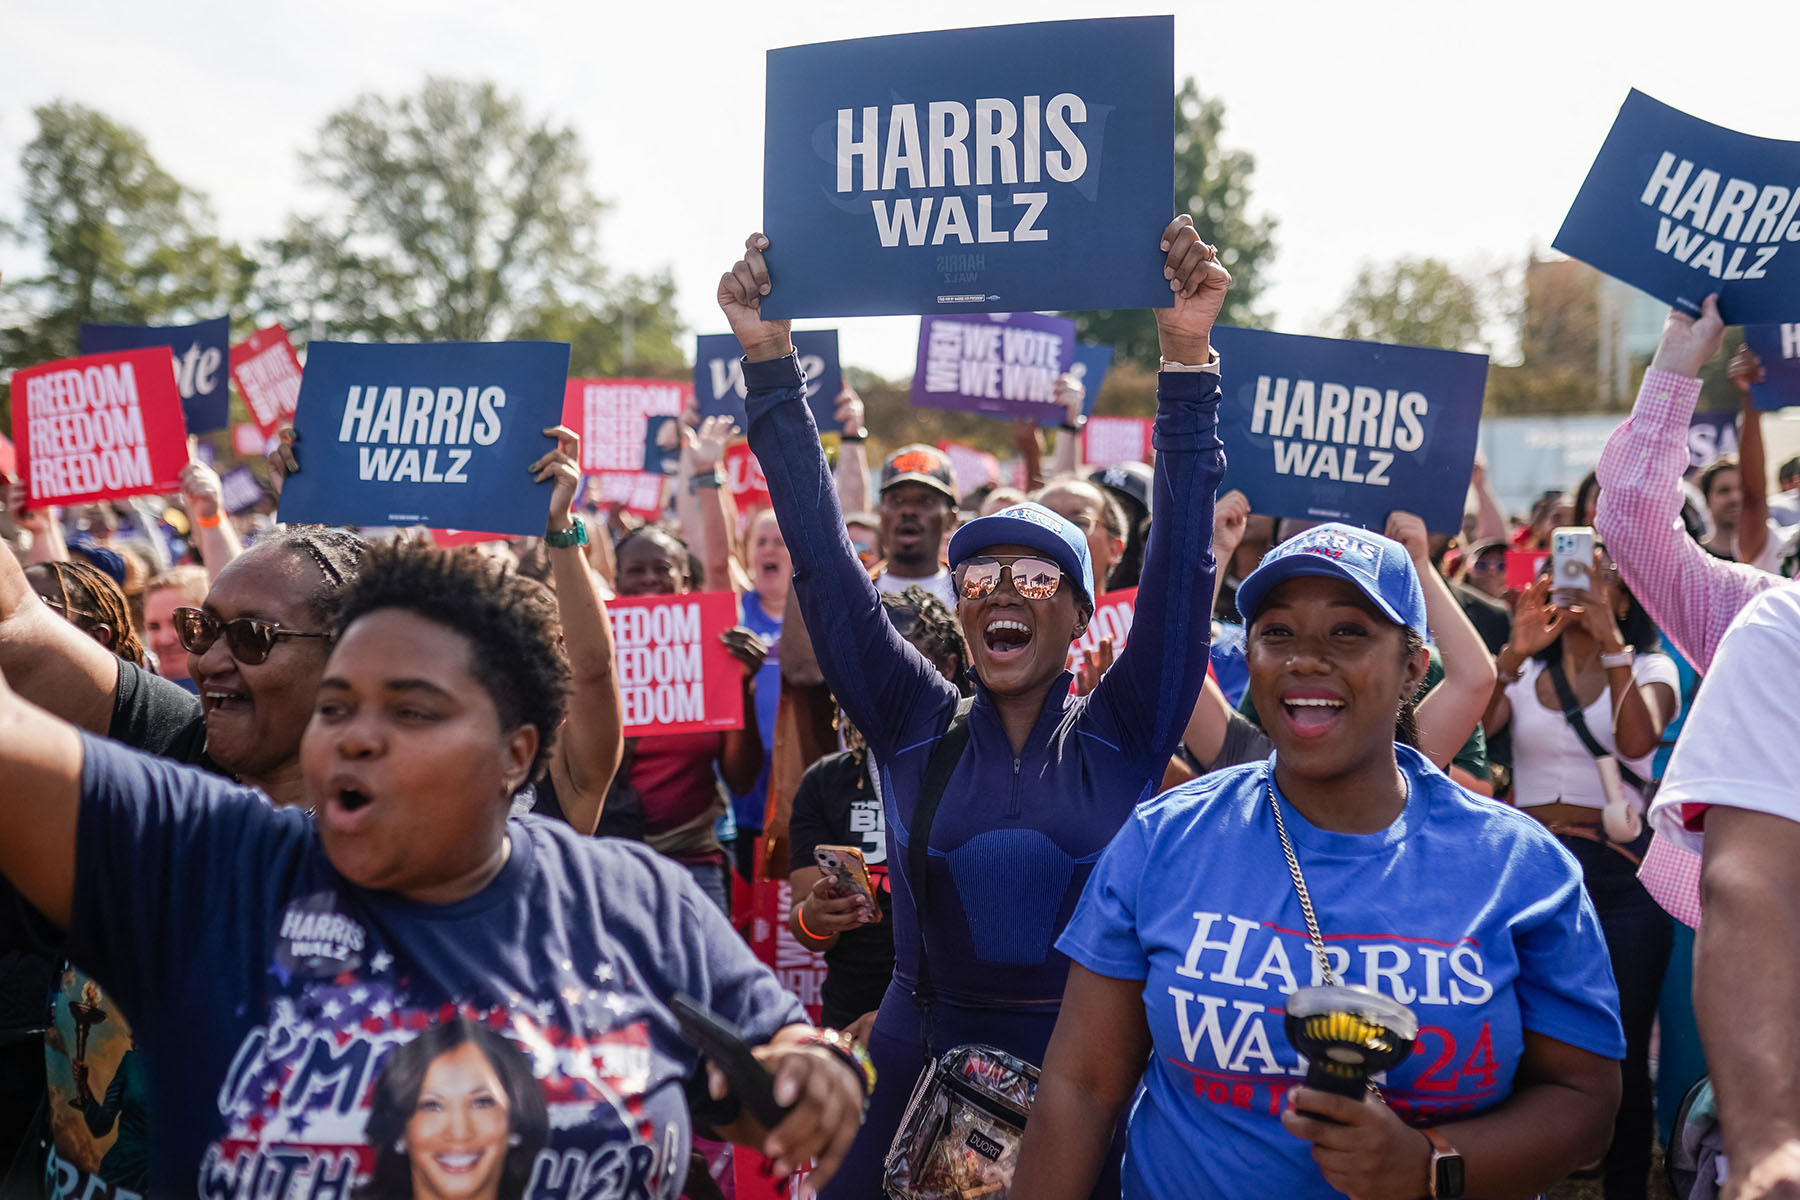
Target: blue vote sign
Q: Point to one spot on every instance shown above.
(1779, 348)
(1332, 430)
(436, 434)
(1681, 208)
(202, 362)
(1003, 169)
(719, 375)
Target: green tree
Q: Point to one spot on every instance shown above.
(633, 332)
(117, 237)
(1212, 184)
(454, 215)
(1414, 302)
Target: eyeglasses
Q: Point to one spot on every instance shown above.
(1032, 578)
(248, 638)
(1487, 563)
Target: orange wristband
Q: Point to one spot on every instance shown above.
(209, 523)
(800, 920)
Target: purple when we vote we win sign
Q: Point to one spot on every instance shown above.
(995, 364)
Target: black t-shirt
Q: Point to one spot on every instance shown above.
(1492, 619)
(158, 717)
(836, 806)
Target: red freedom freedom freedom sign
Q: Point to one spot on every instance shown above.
(267, 374)
(100, 427)
(612, 417)
(675, 675)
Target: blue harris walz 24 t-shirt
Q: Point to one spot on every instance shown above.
(1467, 911)
(285, 1016)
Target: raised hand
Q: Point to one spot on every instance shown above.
(1409, 531)
(1231, 516)
(562, 468)
(747, 648)
(1536, 622)
(741, 292)
(1745, 369)
(849, 414)
(1199, 285)
(201, 490)
(1687, 342)
(705, 445)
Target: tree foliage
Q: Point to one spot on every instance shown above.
(1414, 302)
(117, 237)
(452, 215)
(1212, 184)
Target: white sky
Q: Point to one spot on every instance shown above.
(1448, 128)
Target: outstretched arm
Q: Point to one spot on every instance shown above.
(1149, 694)
(40, 796)
(214, 534)
(1753, 521)
(878, 677)
(592, 741)
(1452, 709)
(1691, 595)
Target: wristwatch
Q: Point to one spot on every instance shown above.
(1621, 658)
(574, 535)
(1446, 1166)
(860, 435)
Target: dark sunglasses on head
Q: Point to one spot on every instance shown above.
(1032, 578)
(248, 638)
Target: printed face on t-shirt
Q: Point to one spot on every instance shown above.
(456, 1140)
(408, 768)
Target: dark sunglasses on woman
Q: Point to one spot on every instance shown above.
(249, 639)
(1032, 578)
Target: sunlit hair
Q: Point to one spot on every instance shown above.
(89, 598)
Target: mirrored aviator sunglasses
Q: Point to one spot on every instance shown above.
(249, 639)
(1032, 578)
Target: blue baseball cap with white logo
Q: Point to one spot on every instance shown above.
(1033, 526)
(1379, 567)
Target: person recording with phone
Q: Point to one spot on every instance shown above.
(1587, 695)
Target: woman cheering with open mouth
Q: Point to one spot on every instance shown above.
(1046, 778)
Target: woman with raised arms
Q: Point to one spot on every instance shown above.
(1046, 777)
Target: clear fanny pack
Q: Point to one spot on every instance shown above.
(959, 1138)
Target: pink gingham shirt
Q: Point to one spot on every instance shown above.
(1691, 595)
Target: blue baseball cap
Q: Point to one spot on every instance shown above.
(1033, 526)
(1379, 567)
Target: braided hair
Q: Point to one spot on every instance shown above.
(90, 598)
(338, 553)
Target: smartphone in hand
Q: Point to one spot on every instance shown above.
(849, 874)
(726, 1049)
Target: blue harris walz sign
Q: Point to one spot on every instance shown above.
(1348, 431)
(1004, 169)
(1779, 348)
(428, 434)
(1681, 208)
(202, 363)
(719, 375)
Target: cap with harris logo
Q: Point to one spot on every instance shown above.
(1378, 567)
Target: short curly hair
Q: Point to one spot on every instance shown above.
(514, 632)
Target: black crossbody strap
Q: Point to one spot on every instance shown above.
(1571, 711)
(938, 769)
